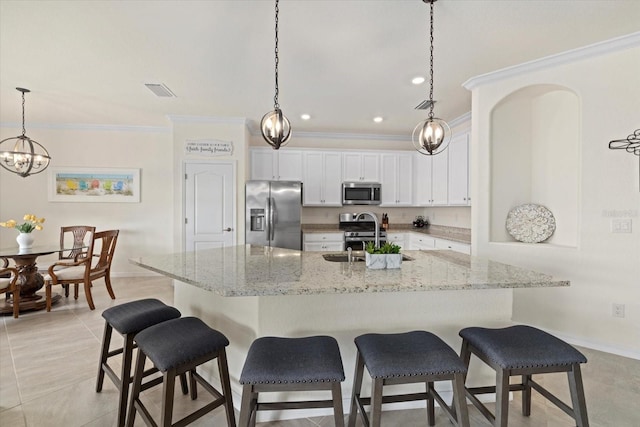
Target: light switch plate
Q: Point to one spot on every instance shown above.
(621, 225)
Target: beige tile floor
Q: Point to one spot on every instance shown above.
(48, 365)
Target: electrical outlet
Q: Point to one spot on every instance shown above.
(621, 225)
(618, 310)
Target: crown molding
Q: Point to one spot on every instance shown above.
(253, 130)
(590, 51)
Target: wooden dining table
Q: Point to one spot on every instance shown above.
(29, 279)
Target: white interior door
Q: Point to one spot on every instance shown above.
(210, 192)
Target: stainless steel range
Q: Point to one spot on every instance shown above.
(358, 230)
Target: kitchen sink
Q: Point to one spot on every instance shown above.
(354, 258)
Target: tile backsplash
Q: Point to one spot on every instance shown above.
(448, 216)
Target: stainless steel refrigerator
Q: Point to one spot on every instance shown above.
(273, 210)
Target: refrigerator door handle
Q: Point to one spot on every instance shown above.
(272, 228)
(267, 218)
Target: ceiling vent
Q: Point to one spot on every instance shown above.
(424, 105)
(160, 89)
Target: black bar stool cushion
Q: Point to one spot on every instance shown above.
(522, 346)
(407, 354)
(179, 341)
(276, 360)
(137, 315)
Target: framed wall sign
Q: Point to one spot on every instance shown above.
(208, 147)
(71, 184)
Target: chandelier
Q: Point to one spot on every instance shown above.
(432, 135)
(21, 154)
(275, 127)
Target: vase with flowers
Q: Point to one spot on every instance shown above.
(31, 222)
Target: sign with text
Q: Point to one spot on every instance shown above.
(208, 147)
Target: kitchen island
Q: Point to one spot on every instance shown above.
(251, 291)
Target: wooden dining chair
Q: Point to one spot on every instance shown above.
(92, 264)
(9, 285)
(76, 237)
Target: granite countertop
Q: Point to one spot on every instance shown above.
(455, 234)
(250, 270)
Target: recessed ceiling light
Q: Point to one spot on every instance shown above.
(305, 117)
(417, 80)
(377, 119)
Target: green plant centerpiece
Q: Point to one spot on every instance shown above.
(387, 248)
(386, 256)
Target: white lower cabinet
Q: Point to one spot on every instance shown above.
(323, 242)
(465, 248)
(399, 239)
(419, 241)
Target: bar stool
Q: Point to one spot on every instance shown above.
(523, 350)
(175, 347)
(406, 358)
(277, 364)
(129, 319)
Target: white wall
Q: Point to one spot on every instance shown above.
(604, 268)
(143, 226)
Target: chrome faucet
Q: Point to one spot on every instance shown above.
(377, 225)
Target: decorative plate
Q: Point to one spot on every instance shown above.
(530, 223)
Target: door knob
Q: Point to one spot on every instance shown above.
(228, 229)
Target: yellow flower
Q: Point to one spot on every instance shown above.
(31, 223)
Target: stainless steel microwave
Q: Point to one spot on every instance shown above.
(361, 193)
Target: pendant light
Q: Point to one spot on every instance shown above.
(275, 127)
(26, 156)
(431, 136)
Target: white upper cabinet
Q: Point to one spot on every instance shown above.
(431, 179)
(363, 167)
(322, 178)
(458, 189)
(397, 179)
(276, 165)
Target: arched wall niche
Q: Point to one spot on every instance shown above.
(535, 158)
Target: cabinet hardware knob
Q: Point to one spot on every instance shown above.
(228, 229)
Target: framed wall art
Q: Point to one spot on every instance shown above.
(98, 185)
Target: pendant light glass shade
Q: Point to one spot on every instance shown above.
(431, 136)
(275, 127)
(21, 154)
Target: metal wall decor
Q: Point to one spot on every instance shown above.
(21, 154)
(431, 136)
(631, 145)
(275, 127)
